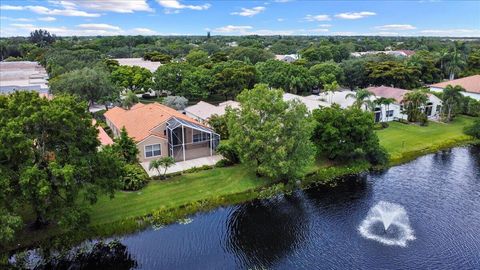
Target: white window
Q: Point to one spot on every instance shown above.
(199, 136)
(153, 150)
(390, 113)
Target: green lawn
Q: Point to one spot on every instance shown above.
(402, 140)
(175, 192)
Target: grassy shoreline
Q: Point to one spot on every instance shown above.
(164, 202)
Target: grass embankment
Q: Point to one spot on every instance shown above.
(166, 201)
(405, 142)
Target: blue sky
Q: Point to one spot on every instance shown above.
(224, 17)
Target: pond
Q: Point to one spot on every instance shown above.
(432, 205)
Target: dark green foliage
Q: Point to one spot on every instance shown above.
(92, 85)
(134, 177)
(49, 158)
(250, 55)
(219, 125)
(231, 77)
(126, 147)
(41, 37)
(157, 57)
(291, 78)
(229, 152)
(346, 134)
(474, 130)
(133, 78)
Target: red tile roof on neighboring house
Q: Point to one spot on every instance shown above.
(141, 119)
(388, 92)
(470, 84)
(407, 52)
(102, 135)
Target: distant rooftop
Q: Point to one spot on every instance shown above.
(152, 66)
(22, 75)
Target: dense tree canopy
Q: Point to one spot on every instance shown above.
(270, 134)
(231, 77)
(291, 78)
(345, 134)
(132, 78)
(49, 160)
(90, 84)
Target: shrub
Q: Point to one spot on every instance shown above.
(473, 130)
(384, 124)
(423, 120)
(378, 156)
(228, 151)
(134, 177)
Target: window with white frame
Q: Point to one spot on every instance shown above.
(390, 113)
(153, 150)
(199, 136)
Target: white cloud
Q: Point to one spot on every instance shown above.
(395, 27)
(16, 19)
(22, 25)
(10, 7)
(98, 26)
(317, 18)
(143, 31)
(119, 6)
(175, 4)
(324, 25)
(232, 29)
(451, 32)
(280, 19)
(249, 12)
(47, 19)
(282, 1)
(47, 11)
(355, 15)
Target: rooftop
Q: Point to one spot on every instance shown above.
(142, 118)
(152, 66)
(388, 92)
(22, 75)
(205, 110)
(470, 84)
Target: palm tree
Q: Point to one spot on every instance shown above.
(414, 101)
(165, 163)
(451, 98)
(129, 100)
(455, 62)
(330, 88)
(385, 102)
(362, 97)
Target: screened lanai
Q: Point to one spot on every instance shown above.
(187, 140)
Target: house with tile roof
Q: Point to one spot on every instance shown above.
(202, 111)
(471, 85)
(395, 111)
(161, 131)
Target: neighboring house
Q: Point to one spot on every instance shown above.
(394, 112)
(471, 85)
(289, 58)
(312, 102)
(202, 111)
(160, 131)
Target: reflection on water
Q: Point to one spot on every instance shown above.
(317, 228)
(264, 232)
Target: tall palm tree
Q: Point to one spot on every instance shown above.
(362, 97)
(455, 62)
(330, 88)
(451, 98)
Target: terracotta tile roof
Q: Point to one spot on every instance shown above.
(388, 92)
(470, 84)
(141, 119)
(102, 135)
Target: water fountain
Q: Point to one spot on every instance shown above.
(388, 224)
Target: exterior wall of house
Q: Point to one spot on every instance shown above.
(397, 110)
(149, 141)
(467, 94)
(115, 130)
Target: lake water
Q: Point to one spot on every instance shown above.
(319, 228)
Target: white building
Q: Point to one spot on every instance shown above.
(289, 58)
(22, 75)
(394, 112)
(471, 85)
(398, 53)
